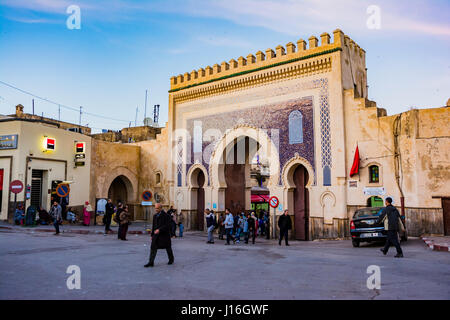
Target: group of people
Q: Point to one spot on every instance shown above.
(243, 224)
(39, 216)
(177, 220)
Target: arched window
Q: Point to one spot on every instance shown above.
(374, 174)
(295, 127)
(158, 178)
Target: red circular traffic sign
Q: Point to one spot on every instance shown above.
(146, 195)
(16, 186)
(273, 202)
(63, 190)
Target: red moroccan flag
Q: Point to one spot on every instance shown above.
(355, 167)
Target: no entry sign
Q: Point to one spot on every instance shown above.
(63, 190)
(146, 195)
(16, 186)
(273, 202)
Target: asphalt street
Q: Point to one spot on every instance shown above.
(33, 266)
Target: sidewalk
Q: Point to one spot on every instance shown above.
(438, 243)
(134, 228)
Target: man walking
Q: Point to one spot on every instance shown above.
(285, 224)
(160, 235)
(210, 225)
(229, 223)
(109, 211)
(56, 214)
(392, 224)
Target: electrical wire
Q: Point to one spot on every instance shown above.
(60, 104)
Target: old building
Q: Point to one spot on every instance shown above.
(41, 155)
(304, 108)
(286, 123)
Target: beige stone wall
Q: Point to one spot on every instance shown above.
(111, 160)
(154, 159)
(422, 151)
(131, 134)
(137, 164)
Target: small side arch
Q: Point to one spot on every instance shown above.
(193, 174)
(289, 168)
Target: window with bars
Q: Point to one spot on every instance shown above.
(374, 174)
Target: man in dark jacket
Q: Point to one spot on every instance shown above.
(160, 235)
(391, 226)
(285, 224)
(109, 211)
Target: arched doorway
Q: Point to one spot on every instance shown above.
(119, 190)
(301, 201)
(200, 199)
(238, 159)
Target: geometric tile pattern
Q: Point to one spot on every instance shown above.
(325, 132)
(179, 161)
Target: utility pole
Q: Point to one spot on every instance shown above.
(145, 110)
(80, 114)
(135, 119)
(59, 112)
(33, 107)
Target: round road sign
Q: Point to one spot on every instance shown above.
(146, 195)
(63, 190)
(273, 202)
(16, 186)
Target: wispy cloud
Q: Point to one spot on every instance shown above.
(217, 41)
(291, 17)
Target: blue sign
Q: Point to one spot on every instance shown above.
(214, 206)
(9, 142)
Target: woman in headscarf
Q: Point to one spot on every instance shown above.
(87, 214)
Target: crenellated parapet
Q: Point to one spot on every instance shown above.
(267, 59)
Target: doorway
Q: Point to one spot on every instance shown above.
(446, 213)
(301, 210)
(36, 188)
(200, 199)
(118, 191)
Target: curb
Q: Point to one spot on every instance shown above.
(72, 231)
(435, 247)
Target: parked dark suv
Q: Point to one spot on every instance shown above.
(364, 227)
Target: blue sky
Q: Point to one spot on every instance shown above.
(126, 47)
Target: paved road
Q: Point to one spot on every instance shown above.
(33, 266)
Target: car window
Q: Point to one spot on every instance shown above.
(364, 213)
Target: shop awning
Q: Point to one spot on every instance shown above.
(260, 198)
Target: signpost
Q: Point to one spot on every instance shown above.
(146, 197)
(274, 202)
(16, 187)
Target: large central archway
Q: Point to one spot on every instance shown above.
(231, 163)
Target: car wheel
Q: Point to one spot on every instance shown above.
(355, 243)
